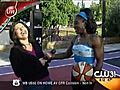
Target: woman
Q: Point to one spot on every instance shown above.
(27, 58)
(85, 28)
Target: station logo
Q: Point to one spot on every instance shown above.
(16, 82)
(108, 79)
(104, 74)
(10, 11)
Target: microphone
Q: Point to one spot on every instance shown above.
(53, 51)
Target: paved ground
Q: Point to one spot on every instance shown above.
(111, 47)
(60, 71)
(5, 61)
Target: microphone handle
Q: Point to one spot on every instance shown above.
(53, 51)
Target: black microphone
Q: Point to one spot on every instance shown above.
(46, 56)
(53, 51)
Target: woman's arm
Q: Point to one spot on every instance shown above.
(15, 62)
(22, 63)
(67, 53)
(99, 52)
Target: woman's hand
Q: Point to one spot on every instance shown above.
(43, 61)
(49, 55)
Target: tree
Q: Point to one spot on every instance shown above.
(97, 11)
(113, 18)
(59, 11)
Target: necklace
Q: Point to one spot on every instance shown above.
(27, 46)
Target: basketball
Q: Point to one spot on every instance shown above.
(82, 71)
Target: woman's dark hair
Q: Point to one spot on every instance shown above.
(13, 35)
(90, 23)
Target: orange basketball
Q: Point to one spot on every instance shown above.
(82, 71)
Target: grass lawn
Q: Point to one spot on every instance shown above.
(71, 31)
(66, 33)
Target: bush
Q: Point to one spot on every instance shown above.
(113, 19)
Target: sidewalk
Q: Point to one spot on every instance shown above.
(4, 56)
(112, 47)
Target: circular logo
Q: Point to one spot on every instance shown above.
(11, 11)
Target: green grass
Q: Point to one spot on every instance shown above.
(71, 31)
(64, 44)
(67, 32)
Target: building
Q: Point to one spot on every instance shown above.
(85, 3)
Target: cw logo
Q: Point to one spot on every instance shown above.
(108, 79)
